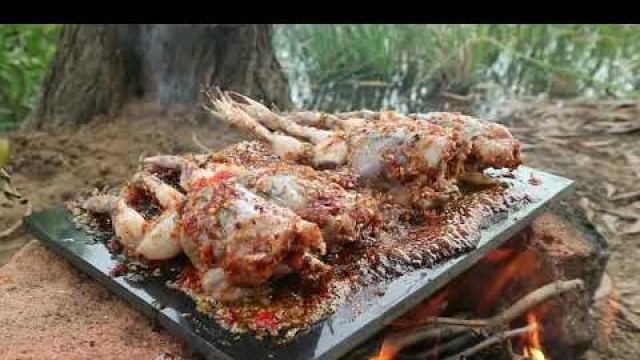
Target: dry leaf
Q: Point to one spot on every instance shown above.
(6, 187)
(598, 143)
(610, 222)
(631, 195)
(605, 288)
(556, 141)
(631, 229)
(587, 207)
(606, 123)
(630, 317)
(623, 129)
(521, 130)
(526, 146)
(618, 116)
(626, 213)
(610, 189)
(634, 161)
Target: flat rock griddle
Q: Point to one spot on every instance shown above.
(330, 338)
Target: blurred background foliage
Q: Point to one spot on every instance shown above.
(336, 67)
(407, 63)
(25, 53)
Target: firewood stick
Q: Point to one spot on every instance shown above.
(495, 339)
(459, 342)
(454, 321)
(532, 299)
(499, 321)
(404, 339)
(512, 354)
(524, 304)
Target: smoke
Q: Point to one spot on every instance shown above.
(169, 64)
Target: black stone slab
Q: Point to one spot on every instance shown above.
(328, 339)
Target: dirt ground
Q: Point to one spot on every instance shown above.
(598, 145)
(51, 167)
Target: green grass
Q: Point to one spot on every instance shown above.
(25, 53)
(561, 59)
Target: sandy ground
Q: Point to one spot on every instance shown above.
(107, 328)
(596, 145)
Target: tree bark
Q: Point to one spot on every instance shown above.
(98, 69)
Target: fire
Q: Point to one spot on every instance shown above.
(431, 307)
(533, 348)
(513, 271)
(387, 352)
(519, 266)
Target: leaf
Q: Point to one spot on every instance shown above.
(630, 195)
(629, 316)
(632, 229)
(605, 288)
(634, 161)
(598, 143)
(610, 189)
(556, 141)
(610, 222)
(588, 208)
(626, 213)
(6, 187)
(623, 129)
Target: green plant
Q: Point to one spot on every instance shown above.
(25, 53)
(526, 58)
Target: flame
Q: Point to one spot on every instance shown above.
(498, 255)
(387, 352)
(512, 271)
(533, 348)
(431, 307)
(519, 267)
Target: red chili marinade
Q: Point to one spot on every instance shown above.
(401, 244)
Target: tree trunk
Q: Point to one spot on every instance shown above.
(99, 68)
